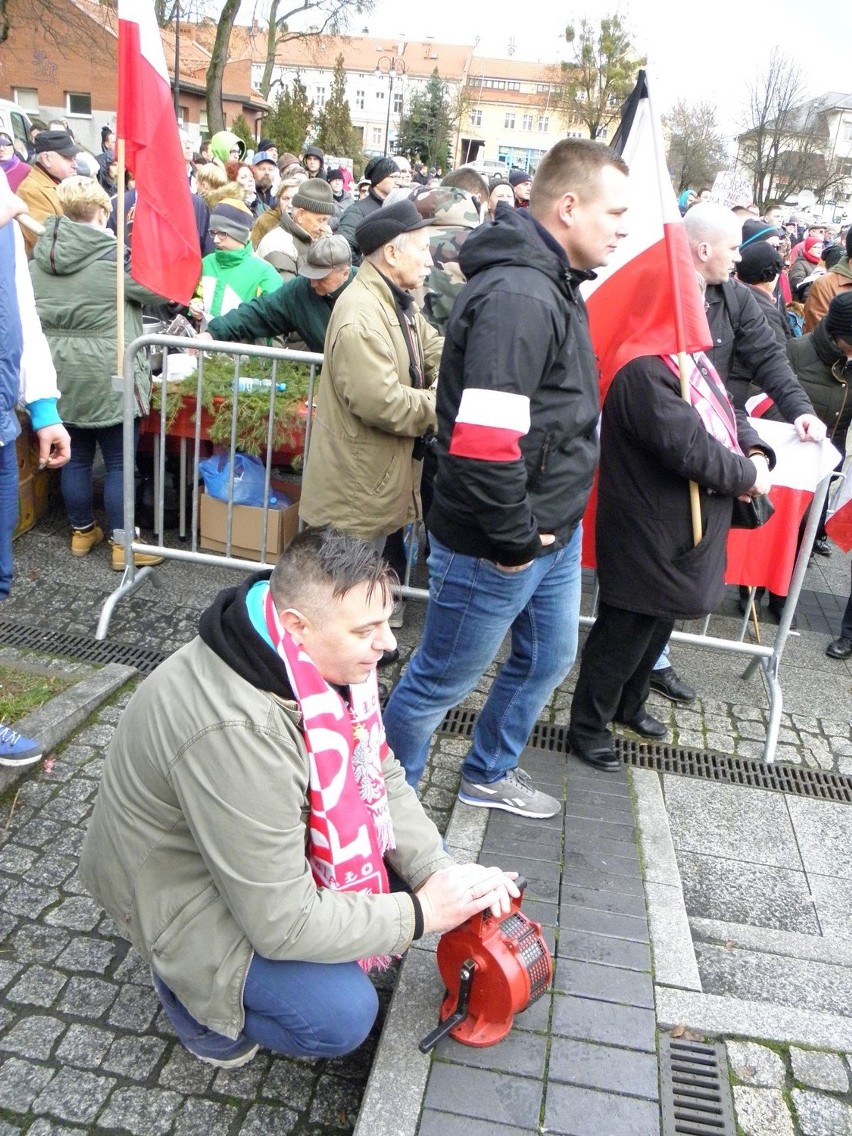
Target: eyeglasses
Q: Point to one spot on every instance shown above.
(5, 142)
(235, 153)
(214, 233)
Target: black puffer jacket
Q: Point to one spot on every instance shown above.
(517, 399)
(825, 374)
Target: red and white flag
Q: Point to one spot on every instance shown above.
(839, 524)
(764, 557)
(646, 301)
(165, 251)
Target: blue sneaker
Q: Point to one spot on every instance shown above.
(16, 750)
(205, 1044)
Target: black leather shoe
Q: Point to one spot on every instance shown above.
(822, 547)
(603, 758)
(839, 648)
(646, 726)
(669, 683)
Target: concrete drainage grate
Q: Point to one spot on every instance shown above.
(817, 784)
(79, 647)
(695, 1093)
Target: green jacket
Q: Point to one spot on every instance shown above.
(223, 767)
(825, 374)
(230, 278)
(74, 280)
(293, 307)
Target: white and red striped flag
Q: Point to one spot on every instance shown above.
(646, 301)
(764, 557)
(165, 252)
(839, 524)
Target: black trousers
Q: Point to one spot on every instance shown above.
(615, 672)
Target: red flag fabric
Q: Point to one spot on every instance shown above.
(764, 557)
(646, 301)
(839, 524)
(165, 252)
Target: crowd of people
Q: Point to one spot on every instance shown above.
(262, 842)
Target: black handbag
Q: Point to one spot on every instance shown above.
(753, 513)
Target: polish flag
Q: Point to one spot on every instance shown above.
(489, 425)
(764, 557)
(646, 301)
(165, 254)
(839, 524)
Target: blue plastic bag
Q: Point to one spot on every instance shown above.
(249, 478)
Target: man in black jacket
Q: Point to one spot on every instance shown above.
(517, 412)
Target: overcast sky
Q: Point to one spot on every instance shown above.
(710, 53)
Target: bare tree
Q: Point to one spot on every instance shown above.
(784, 144)
(601, 74)
(697, 150)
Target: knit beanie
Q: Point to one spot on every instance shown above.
(380, 168)
(334, 175)
(757, 230)
(518, 177)
(287, 159)
(759, 263)
(314, 195)
(838, 318)
(232, 217)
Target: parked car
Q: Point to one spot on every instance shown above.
(15, 121)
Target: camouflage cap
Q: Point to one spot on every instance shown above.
(447, 205)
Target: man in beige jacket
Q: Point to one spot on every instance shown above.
(376, 395)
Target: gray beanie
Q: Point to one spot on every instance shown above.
(232, 217)
(314, 195)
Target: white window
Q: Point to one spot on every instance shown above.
(380, 94)
(377, 135)
(397, 102)
(26, 97)
(847, 130)
(527, 122)
(509, 121)
(359, 100)
(319, 97)
(476, 118)
(78, 104)
(544, 123)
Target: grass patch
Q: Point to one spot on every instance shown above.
(23, 690)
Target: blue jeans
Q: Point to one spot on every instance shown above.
(8, 512)
(301, 1009)
(472, 606)
(77, 474)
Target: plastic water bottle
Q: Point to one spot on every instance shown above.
(246, 385)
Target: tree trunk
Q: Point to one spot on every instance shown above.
(271, 44)
(216, 70)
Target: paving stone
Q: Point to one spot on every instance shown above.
(134, 1008)
(134, 1057)
(8, 969)
(16, 859)
(631, 927)
(756, 1064)
(603, 949)
(51, 870)
(603, 983)
(36, 943)
(821, 1115)
(819, 1070)
(761, 1112)
(80, 913)
(291, 1082)
(186, 1073)
(87, 997)
(144, 1112)
(593, 871)
(740, 892)
(536, 1018)
(587, 1112)
(33, 1037)
(523, 1054)
(20, 1083)
(588, 1020)
(442, 1124)
(74, 1095)
(244, 1082)
(615, 901)
(133, 969)
(604, 1067)
(87, 954)
(84, 1045)
(760, 977)
(29, 900)
(484, 1095)
(263, 1119)
(205, 1118)
(335, 1104)
(37, 986)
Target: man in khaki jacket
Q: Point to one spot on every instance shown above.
(55, 160)
(376, 396)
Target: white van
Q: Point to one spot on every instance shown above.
(15, 121)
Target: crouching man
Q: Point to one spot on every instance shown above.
(250, 807)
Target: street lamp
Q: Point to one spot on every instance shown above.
(389, 65)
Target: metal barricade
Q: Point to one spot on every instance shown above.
(133, 577)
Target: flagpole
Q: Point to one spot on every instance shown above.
(680, 333)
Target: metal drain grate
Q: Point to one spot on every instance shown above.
(80, 648)
(695, 1093)
(818, 784)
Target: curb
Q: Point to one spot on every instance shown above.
(58, 718)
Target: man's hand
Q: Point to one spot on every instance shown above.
(54, 446)
(545, 538)
(205, 335)
(809, 428)
(196, 308)
(762, 480)
(451, 896)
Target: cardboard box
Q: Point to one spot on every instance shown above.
(282, 526)
(41, 492)
(26, 507)
(26, 448)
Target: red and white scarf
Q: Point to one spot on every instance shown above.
(349, 827)
(710, 400)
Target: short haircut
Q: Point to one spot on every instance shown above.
(832, 255)
(211, 176)
(707, 221)
(320, 559)
(573, 164)
(468, 179)
(81, 198)
(288, 183)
